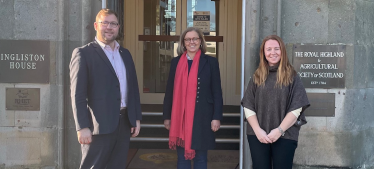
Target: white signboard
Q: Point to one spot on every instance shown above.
(201, 19)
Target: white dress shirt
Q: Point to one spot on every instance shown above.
(118, 66)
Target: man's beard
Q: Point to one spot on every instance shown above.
(113, 38)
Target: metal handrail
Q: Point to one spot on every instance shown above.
(162, 126)
(241, 146)
(166, 139)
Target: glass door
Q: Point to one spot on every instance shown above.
(159, 41)
(151, 33)
(160, 25)
(163, 22)
(204, 14)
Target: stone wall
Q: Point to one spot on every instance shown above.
(45, 138)
(343, 140)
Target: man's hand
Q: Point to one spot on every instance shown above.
(84, 136)
(167, 124)
(215, 125)
(135, 130)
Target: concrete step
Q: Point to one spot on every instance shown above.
(162, 126)
(166, 139)
(167, 159)
(160, 114)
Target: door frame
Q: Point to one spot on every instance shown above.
(228, 50)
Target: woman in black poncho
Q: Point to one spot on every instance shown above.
(273, 103)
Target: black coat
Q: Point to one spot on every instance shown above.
(95, 91)
(208, 101)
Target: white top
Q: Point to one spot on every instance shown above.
(119, 67)
(249, 113)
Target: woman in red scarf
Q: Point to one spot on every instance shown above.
(193, 101)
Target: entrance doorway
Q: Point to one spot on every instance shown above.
(151, 33)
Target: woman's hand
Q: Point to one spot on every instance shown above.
(167, 124)
(215, 125)
(262, 136)
(274, 135)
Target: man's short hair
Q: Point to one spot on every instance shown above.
(105, 12)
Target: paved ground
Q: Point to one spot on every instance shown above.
(167, 159)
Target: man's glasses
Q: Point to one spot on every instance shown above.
(188, 40)
(111, 24)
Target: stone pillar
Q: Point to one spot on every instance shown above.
(343, 140)
(45, 138)
(81, 16)
(34, 138)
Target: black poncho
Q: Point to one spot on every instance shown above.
(272, 103)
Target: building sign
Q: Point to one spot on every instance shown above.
(321, 105)
(320, 66)
(201, 19)
(23, 99)
(24, 61)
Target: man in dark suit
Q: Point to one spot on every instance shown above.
(105, 96)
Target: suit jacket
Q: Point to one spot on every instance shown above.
(208, 103)
(95, 90)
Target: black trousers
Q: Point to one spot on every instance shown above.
(278, 155)
(108, 151)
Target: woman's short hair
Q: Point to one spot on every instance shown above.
(181, 46)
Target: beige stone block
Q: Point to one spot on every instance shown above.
(6, 117)
(27, 118)
(28, 146)
(23, 149)
(324, 149)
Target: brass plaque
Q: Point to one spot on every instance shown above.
(24, 61)
(321, 104)
(23, 99)
(320, 66)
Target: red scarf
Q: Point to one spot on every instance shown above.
(184, 100)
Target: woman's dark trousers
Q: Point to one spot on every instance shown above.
(278, 155)
(199, 162)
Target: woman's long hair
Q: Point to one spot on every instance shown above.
(182, 47)
(285, 71)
